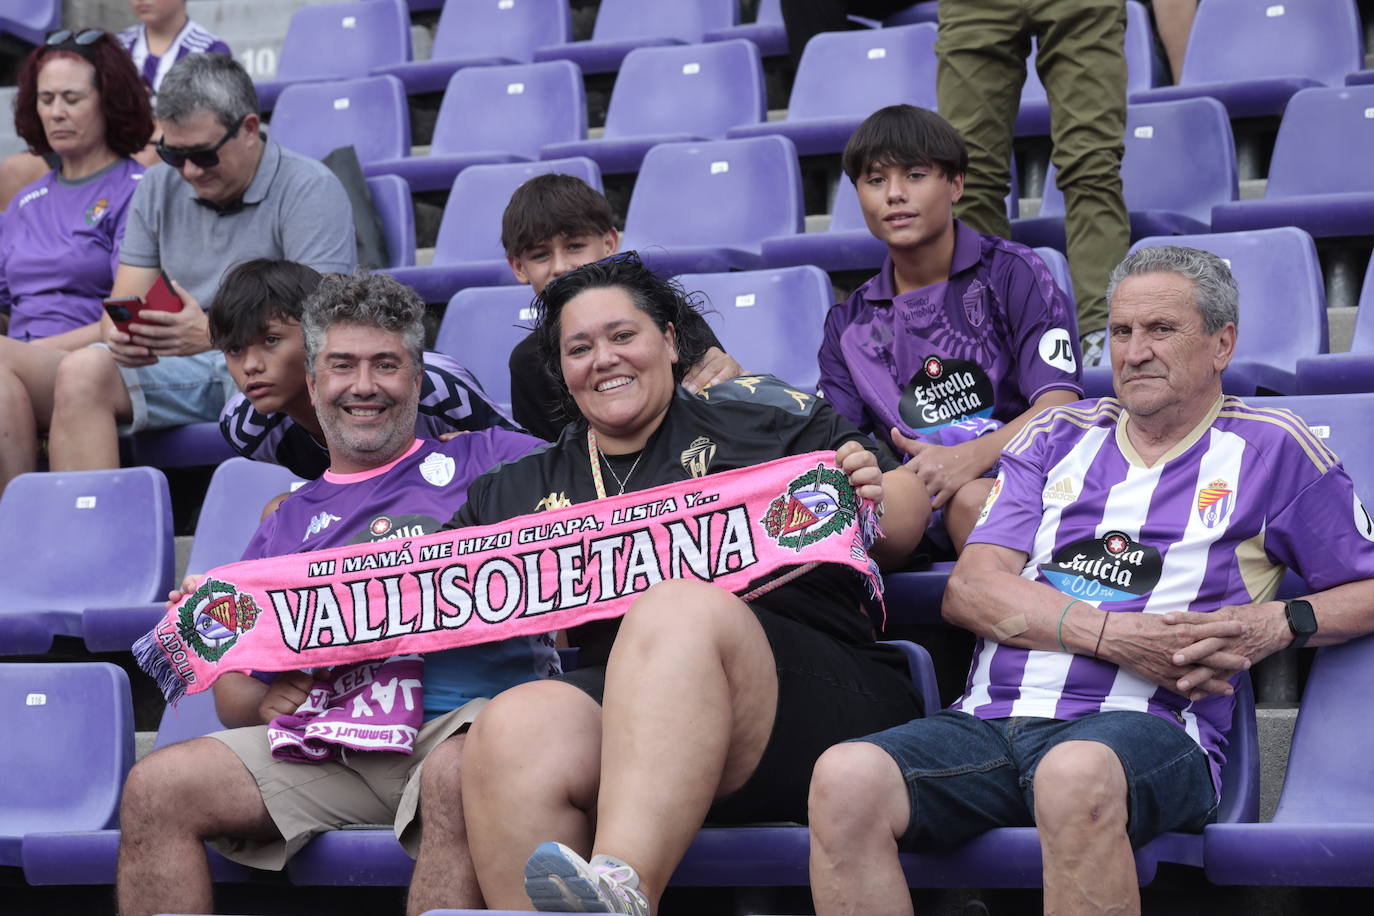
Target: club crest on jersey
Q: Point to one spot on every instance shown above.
(1114, 567)
(696, 458)
(437, 469)
(1214, 503)
(976, 303)
(97, 210)
(214, 618)
(817, 504)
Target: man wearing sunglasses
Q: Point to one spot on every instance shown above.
(226, 194)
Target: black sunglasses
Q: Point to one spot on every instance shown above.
(203, 157)
(72, 40)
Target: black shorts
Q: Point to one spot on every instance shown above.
(828, 692)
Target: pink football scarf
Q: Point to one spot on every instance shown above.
(370, 706)
(528, 575)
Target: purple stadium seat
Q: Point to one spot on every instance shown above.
(769, 320)
(1323, 829)
(1359, 78)
(1337, 373)
(468, 250)
(30, 20)
(481, 326)
(338, 41)
(229, 515)
(1253, 55)
(484, 33)
(846, 244)
(623, 25)
(672, 94)
(766, 31)
(77, 540)
(926, 11)
(192, 445)
(69, 744)
(88, 856)
(1317, 181)
(495, 114)
(704, 207)
(1033, 116)
(843, 77)
(391, 200)
(368, 113)
(1180, 161)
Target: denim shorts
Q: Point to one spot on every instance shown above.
(177, 390)
(965, 775)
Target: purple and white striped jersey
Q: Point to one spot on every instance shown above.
(1214, 522)
(192, 39)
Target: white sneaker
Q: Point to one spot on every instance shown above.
(557, 880)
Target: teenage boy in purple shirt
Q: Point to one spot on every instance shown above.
(958, 333)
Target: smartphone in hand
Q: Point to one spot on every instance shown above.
(128, 309)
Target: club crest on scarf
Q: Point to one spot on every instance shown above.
(215, 617)
(817, 504)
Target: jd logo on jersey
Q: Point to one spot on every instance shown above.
(945, 391)
(1110, 568)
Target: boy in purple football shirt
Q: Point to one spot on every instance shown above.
(958, 334)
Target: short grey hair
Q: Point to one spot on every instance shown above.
(1214, 288)
(367, 299)
(207, 82)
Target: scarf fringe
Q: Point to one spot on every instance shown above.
(154, 662)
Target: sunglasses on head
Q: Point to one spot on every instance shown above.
(78, 42)
(202, 157)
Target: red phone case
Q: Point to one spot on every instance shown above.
(160, 298)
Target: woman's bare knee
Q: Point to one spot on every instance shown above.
(88, 379)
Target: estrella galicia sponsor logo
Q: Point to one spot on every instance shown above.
(817, 504)
(390, 527)
(1113, 567)
(214, 618)
(945, 391)
(319, 523)
(1214, 503)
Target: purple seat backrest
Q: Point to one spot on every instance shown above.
(78, 539)
(1235, 40)
(770, 320)
(192, 716)
(700, 90)
(1343, 422)
(500, 28)
(69, 743)
(232, 510)
(391, 200)
(853, 74)
(513, 109)
(1059, 269)
(1140, 56)
(481, 326)
(1325, 143)
(1180, 156)
(1363, 340)
(730, 193)
(471, 227)
(369, 113)
(344, 39)
(1282, 296)
(39, 15)
(618, 20)
(1328, 779)
(769, 12)
(1240, 774)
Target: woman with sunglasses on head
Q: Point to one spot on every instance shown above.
(81, 106)
(696, 705)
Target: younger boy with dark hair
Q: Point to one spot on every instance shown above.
(255, 319)
(961, 338)
(553, 224)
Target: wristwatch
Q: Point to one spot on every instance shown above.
(1301, 620)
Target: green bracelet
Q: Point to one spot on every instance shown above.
(1062, 615)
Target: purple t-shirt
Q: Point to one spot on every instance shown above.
(192, 39)
(59, 248)
(411, 496)
(983, 344)
(1247, 493)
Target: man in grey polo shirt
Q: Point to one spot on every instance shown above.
(226, 194)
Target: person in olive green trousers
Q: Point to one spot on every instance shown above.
(982, 48)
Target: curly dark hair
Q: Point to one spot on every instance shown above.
(123, 97)
(368, 299)
(662, 299)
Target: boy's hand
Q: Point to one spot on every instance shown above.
(942, 468)
(715, 367)
(188, 585)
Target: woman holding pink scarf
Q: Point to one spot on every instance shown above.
(696, 705)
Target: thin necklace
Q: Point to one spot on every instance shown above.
(593, 451)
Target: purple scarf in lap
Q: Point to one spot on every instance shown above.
(368, 706)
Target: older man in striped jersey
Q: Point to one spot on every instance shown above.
(1119, 579)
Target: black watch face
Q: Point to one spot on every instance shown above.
(1301, 619)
